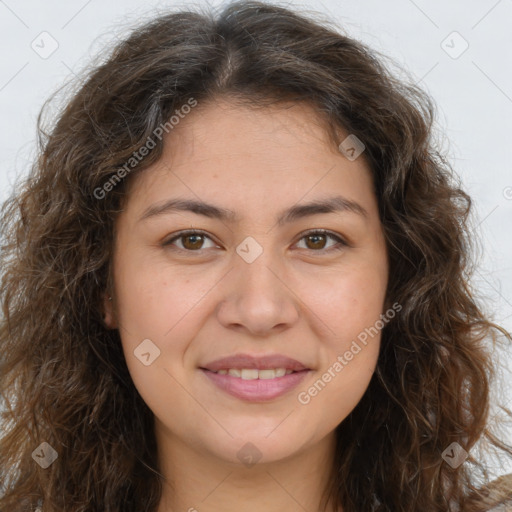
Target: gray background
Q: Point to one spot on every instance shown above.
(472, 90)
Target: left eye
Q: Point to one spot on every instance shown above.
(195, 239)
(320, 236)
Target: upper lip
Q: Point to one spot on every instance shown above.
(241, 361)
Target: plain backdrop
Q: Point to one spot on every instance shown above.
(458, 51)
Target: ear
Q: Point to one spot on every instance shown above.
(109, 317)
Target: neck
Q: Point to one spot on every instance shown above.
(198, 481)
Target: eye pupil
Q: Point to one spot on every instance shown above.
(194, 244)
(317, 236)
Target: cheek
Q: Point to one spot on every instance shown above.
(155, 300)
(347, 303)
(335, 393)
(155, 323)
(160, 310)
(351, 310)
(349, 356)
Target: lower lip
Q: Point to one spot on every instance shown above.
(256, 390)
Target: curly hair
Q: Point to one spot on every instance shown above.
(63, 376)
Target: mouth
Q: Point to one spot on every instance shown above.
(254, 373)
(255, 378)
(250, 389)
(247, 363)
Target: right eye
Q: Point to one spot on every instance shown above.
(194, 239)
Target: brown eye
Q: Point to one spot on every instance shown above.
(191, 241)
(316, 240)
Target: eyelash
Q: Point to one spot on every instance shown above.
(342, 243)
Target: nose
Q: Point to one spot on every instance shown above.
(257, 299)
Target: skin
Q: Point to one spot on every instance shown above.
(298, 298)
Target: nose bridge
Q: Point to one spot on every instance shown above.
(257, 298)
(257, 268)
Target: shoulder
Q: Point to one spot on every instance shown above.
(496, 496)
(504, 507)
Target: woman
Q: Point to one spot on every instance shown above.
(237, 278)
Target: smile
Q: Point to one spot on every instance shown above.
(252, 385)
(252, 373)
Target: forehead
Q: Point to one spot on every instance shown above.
(243, 124)
(274, 154)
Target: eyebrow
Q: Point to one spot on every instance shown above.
(298, 211)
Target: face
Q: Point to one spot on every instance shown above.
(259, 278)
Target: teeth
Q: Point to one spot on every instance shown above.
(249, 374)
(252, 373)
(267, 374)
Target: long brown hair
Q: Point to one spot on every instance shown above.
(63, 377)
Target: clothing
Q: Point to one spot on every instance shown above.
(504, 507)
